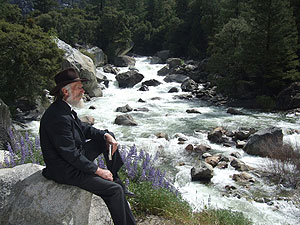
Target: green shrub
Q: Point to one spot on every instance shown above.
(265, 103)
(29, 59)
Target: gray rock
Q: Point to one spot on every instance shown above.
(124, 109)
(173, 90)
(5, 124)
(239, 165)
(126, 120)
(2, 156)
(212, 160)
(28, 198)
(144, 88)
(99, 213)
(84, 66)
(193, 111)
(163, 55)
(88, 119)
(141, 109)
(129, 79)
(100, 57)
(203, 172)
(124, 61)
(156, 60)
(151, 82)
(243, 177)
(174, 62)
(264, 142)
(189, 85)
(233, 111)
(216, 136)
(163, 71)
(179, 78)
(110, 69)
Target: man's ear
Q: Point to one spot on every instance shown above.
(65, 93)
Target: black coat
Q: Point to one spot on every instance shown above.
(62, 138)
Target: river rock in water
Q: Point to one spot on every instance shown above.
(264, 142)
(126, 120)
(202, 172)
(129, 78)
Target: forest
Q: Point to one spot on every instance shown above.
(252, 46)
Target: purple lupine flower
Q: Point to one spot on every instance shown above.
(131, 172)
(37, 143)
(12, 161)
(123, 154)
(143, 175)
(23, 154)
(141, 155)
(127, 163)
(151, 173)
(132, 152)
(28, 141)
(126, 182)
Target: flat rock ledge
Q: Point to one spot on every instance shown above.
(28, 198)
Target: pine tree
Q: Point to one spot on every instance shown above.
(270, 49)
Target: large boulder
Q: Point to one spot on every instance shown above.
(189, 85)
(129, 78)
(264, 142)
(100, 58)
(126, 120)
(28, 198)
(84, 66)
(202, 172)
(5, 124)
(124, 61)
(179, 78)
(289, 98)
(174, 62)
(163, 55)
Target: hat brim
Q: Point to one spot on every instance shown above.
(54, 91)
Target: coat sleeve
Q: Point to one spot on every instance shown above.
(91, 132)
(60, 133)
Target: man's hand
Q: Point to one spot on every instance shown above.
(105, 174)
(111, 141)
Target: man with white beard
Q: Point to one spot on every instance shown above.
(70, 147)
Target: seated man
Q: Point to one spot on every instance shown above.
(69, 157)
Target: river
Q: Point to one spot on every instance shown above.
(168, 115)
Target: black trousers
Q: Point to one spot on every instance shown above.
(111, 192)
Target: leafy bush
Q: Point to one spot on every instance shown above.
(29, 58)
(266, 103)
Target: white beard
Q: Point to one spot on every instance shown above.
(75, 103)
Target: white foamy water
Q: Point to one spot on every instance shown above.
(168, 115)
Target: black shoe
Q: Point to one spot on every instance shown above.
(126, 191)
(129, 193)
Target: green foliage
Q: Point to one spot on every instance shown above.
(71, 25)
(29, 58)
(10, 13)
(256, 47)
(265, 103)
(113, 41)
(224, 217)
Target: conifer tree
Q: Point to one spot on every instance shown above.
(270, 49)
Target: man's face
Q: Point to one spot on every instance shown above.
(74, 96)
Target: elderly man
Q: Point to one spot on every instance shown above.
(70, 147)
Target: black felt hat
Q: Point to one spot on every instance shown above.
(65, 77)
